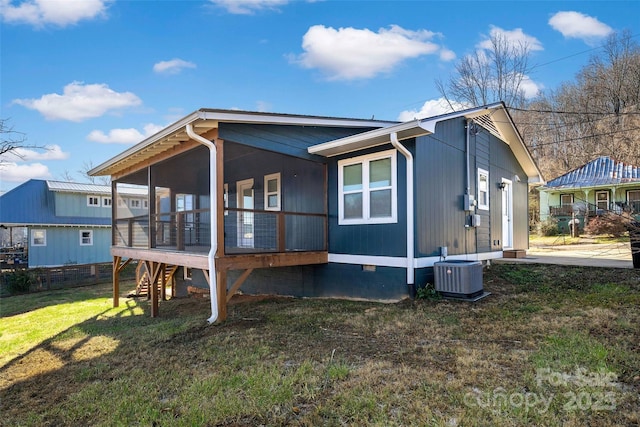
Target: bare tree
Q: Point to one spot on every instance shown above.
(11, 140)
(489, 75)
(86, 167)
(597, 114)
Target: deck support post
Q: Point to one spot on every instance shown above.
(116, 281)
(117, 268)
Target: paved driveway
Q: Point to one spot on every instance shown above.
(613, 255)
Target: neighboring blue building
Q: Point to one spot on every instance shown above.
(321, 206)
(599, 186)
(67, 223)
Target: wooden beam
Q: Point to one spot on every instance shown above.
(187, 259)
(221, 284)
(241, 262)
(236, 285)
(116, 281)
(174, 150)
(220, 190)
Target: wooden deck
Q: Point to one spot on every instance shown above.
(156, 262)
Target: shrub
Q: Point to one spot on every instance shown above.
(548, 227)
(20, 282)
(428, 291)
(609, 223)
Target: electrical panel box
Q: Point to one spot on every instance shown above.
(469, 202)
(475, 220)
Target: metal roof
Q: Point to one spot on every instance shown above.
(603, 171)
(75, 187)
(493, 117)
(31, 203)
(205, 120)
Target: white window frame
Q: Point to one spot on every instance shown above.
(633, 191)
(366, 191)
(33, 237)
(277, 193)
(483, 206)
(106, 202)
(93, 201)
(134, 203)
(564, 195)
(90, 236)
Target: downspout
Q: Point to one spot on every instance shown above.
(213, 209)
(410, 234)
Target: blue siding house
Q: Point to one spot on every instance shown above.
(599, 186)
(67, 223)
(320, 206)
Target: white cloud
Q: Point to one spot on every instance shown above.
(13, 172)
(123, 136)
(447, 55)
(43, 12)
(173, 66)
(49, 152)
(530, 88)
(350, 53)
(431, 108)
(248, 7)
(263, 106)
(577, 25)
(515, 37)
(80, 102)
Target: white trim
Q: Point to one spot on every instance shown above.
(91, 198)
(366, 191)
(277, 193)
(401, 262)
(106, 202)
(429, 261)
(32, 237)
(509, 211)
(381, 261)
(90, 237)
(481, 172)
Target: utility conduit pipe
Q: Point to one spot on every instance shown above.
(213, 209)
(410, 234)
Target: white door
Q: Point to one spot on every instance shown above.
(507, 215)
(245, 219)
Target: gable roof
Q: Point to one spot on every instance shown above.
(603, 171)
(493, 117)
(32, 203)
(206, 120)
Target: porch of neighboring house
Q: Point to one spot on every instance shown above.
(574, 206)
(271, 212)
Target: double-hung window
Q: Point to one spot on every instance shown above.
(86, 237)
(272, 192)
(38, 237)
(367, 189)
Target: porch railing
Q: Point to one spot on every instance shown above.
(583, 208)
(245, 231)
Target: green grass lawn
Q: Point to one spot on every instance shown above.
(551, 346)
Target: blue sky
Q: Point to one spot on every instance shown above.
(89, 78)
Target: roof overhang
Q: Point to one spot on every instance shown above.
(494, 117)
(206, 120)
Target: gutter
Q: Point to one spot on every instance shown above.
(410, 226)
(213, 206)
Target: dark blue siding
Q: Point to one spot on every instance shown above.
(440, 187)
(374, 239)
(327, 280)
(291, 140)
